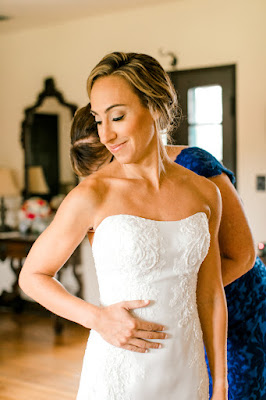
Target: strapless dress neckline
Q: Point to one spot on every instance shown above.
(109, 217)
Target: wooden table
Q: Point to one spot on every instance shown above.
(16, 246)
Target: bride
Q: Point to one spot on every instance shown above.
(155, 248)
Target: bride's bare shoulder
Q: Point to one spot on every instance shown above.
(198, 185)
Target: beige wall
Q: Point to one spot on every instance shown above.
(201, 32)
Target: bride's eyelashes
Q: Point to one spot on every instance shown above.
(118, 118)
(113, 119)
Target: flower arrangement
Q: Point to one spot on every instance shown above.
(34, 215)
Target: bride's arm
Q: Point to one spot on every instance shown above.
(50, 252)
(212, 304)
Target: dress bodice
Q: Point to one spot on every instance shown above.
(138, 259)
(132, 254)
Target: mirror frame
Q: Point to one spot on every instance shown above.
(26, 127)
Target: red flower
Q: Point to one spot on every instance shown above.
(41, 202)
(30, 215)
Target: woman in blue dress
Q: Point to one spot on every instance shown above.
(246, 296)
(244, 276)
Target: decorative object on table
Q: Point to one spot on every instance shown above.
(8, 188)
(35, 215)
(36, 180)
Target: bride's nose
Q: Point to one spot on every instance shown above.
(106, 133)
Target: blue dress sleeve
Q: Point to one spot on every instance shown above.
(202, 163)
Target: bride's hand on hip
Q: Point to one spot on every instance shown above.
(118, 327)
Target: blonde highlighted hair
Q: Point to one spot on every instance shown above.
(148, 79)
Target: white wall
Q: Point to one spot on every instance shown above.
(201, 32)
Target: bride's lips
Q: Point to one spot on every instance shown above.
(116, 147)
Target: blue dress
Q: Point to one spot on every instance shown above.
(246, 302)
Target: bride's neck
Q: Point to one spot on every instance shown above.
(152, 168)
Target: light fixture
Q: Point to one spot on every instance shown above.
(37, 181)
(171, 54)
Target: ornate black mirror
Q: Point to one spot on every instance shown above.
(45, 139)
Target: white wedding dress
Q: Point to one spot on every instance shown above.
(138, 258)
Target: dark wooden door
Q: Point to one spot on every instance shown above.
(223, 76)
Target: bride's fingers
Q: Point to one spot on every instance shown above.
(143, 344)
(149, 335)
(148, 326)
(133, 304)
(134, 348)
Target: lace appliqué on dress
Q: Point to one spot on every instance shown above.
(113, 372)
(137, 266)
(138, 258)
(186, 267)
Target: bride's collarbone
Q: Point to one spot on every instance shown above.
(179, 196)
(141, 193)
(150, 207)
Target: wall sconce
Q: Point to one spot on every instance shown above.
(174, 59)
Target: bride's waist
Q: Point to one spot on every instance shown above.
(162, 309)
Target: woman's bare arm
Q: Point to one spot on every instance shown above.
(49, 253)
(235, 237)
(212, 304)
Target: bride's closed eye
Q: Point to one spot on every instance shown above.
(113, 119)
(118, 118)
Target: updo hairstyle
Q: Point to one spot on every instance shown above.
(87, 153)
